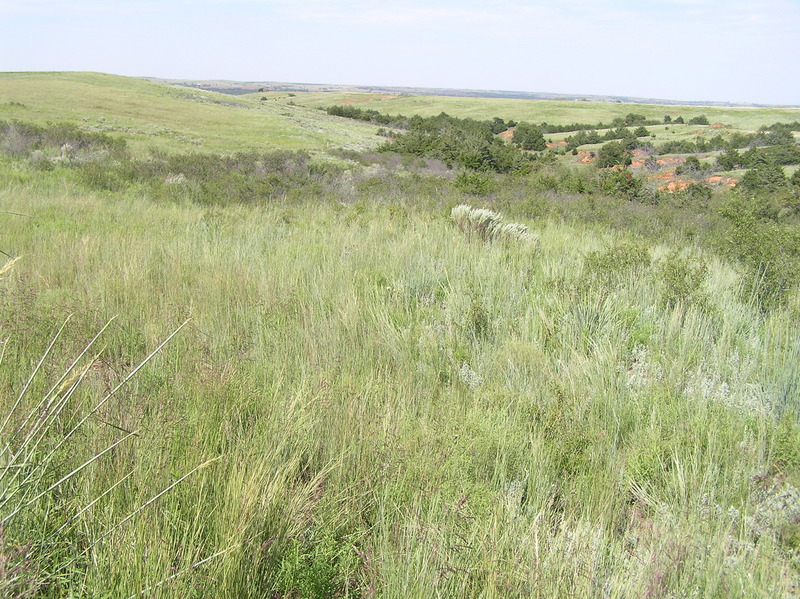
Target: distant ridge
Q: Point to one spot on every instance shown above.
(249, 87)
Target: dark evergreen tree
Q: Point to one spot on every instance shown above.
(529, 137)
(613, 153)
(699, 120)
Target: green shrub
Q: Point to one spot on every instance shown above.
(316, 568)
(622, 183)
(766, 246)
(691, 165)
(682, 280)
(613, 153)
(528, 137)
(473, 183)
(609, 267)
(767, 176)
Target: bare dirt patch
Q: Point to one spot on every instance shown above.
(676, 185)
(671, 183)
(722, 181)
(665, 175)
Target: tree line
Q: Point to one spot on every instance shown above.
(468, 143)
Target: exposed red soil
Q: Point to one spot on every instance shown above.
(676, 185)
(585, 156)
(719, 126)
(715, 181)
(665, 175)
(556, 144)
(507, 134)
(721, 181)
(640, 159)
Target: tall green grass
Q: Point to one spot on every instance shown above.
(395, 410)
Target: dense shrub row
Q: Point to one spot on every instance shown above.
(467, 143)
(19, 138)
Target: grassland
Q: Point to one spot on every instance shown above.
(156, 116)
(537, 111)
(151, 115)
(365, 401)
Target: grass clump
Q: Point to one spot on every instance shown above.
(488, 226)
(50, 527)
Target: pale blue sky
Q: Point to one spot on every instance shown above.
(725, 50)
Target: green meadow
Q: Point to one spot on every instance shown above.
(536, 111)
(232, 370)
(174, 119)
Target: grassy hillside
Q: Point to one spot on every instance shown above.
(153, 115)
(537, 111)
(369, 394)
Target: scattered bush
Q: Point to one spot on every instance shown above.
(59, 140)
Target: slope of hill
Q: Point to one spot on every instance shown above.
(537, 111)
(171, 117)
(156, 115)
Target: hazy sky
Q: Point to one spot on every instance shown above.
(728, 50)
